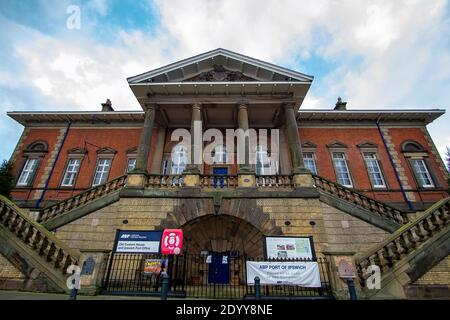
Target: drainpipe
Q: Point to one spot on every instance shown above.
(393, 167)
(38, 203)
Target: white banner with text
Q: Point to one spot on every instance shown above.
(305, 274)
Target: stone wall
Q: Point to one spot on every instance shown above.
(8, 271)
(332, 229)
(96, 231)
(438, 275)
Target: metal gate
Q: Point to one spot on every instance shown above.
(215, 275)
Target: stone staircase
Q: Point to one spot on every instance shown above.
(34, 250)
(409, 252)
(360, 205)
(102, 195)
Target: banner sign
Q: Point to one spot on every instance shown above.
(154, 266)
(137, 241)
(172, 241)
(305, 274)
(289, 248)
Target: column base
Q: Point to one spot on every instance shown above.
(303, 179)
(136, 180)
(246, 180)
(191, 169)
(191, 179)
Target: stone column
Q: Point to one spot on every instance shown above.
(302, 176)
(246, 176)
(137, 177)
(192, 172)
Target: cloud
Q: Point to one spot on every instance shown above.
(393, 54)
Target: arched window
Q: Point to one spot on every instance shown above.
(418, 159)
(179, 159)
(412, 146)
(220, 154)
(33, 155)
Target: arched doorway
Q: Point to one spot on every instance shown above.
(223, 233)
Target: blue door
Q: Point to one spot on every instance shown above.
(219, 268)
(218, 173)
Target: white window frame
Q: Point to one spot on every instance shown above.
(344, 160)
(28, 172)
(102, 173)
(372, 157)
(220, 154)
(311, 159)
(262, 166)
(72, 170)
(426, 172)
(131, 159)
(179, 152)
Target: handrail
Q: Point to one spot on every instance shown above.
(405, 239)
(81, 198)
(36, 236)
(360, 199)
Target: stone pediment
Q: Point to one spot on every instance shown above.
(106, 150)
(220, 65)
(308, 144)
(77, 151)
(367, 145)
(336, 144)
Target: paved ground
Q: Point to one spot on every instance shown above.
(20, 295)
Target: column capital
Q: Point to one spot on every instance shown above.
(289, 105)
(197, 105)
(152, 106)
(242, 105)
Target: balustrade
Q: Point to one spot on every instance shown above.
(406, 239)
(36, 237)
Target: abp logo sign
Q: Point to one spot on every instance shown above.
(172, 241)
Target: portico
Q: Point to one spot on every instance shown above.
(221, 89)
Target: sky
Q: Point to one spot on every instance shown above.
(374, 54)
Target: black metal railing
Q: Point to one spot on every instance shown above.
(200, 276)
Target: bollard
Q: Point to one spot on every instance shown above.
(351, 289)
(257, 289)
(73, 294)
(165, 286)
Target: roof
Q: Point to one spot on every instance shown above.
(425, 116)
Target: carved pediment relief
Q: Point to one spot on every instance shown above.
(220, 74)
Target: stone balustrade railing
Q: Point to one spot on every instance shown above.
(405, 240)
(36, 237)
(359, 199)
(280, 181)
(164, 181)
(218, 181)
(82, 198)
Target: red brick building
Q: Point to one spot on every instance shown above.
(363, 187)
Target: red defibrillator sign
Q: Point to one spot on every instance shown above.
(172, 241)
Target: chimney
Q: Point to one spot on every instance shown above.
(340, 105)
(107, 106)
